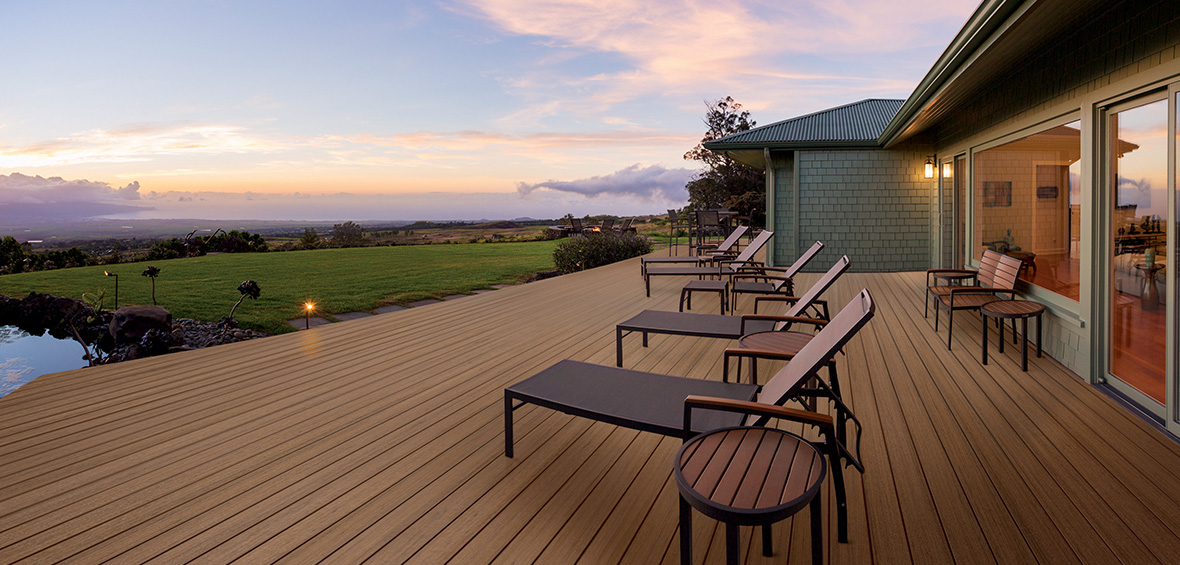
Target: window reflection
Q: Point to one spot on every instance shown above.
(1027, 201)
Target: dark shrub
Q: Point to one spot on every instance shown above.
(597, 249)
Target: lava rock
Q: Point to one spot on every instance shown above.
(132, 322)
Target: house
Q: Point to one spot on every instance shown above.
(1046, 130)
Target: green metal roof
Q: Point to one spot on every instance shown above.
(859, 123)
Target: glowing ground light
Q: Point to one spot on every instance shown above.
(307, 308)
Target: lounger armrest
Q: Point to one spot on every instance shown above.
(825, 422)
(776, 298)
(760, 353)
(748, 277)
(764, 269)
(735, 265)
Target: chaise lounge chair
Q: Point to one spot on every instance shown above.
(724, 249)
(765, 283)
(730, 327)
(656, 403)
(728, 267)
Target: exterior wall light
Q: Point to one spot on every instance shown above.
(928, 170)
(947, 170)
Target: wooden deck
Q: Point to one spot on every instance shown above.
(380, 440)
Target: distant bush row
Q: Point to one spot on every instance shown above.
(597, 249)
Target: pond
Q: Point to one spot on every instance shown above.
(24, 357)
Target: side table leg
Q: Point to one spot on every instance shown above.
(984, 339)
(1001, 330)
(1023, 343)
(817, 532)
(733, 549)
(768, 541)
(685, 532)
(1039, 336)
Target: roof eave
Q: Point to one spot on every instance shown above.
(987, 19)
(772, 145)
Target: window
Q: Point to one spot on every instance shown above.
(1027, 203)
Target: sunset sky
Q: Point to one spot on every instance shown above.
(451, 109)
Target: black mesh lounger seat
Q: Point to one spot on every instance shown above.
(729, 267)
(731, 327)
(656, 403)
(723, 251)
(686, 323)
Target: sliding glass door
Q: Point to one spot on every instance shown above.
(1137, 153)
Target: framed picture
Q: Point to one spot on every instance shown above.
(997, 194)
(1047, 192)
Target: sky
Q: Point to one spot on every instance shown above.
(405, 110)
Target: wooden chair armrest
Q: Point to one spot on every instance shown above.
(958, 274)
(763, 411)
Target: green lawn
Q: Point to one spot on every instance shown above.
(336, 280)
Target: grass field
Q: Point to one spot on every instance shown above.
(336, 280)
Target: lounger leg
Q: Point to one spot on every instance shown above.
(507, 424)
(725, 368)
(817, 532)
(685, 532)
(753, 370)
(926, 314)
(841, 496)
(682, 293)
(647, 285)
(618, 347)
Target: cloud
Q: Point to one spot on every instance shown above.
(652, 183)
(24, 197)
(135, 144)
(770, 50)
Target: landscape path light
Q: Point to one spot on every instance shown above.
(110, 274)
(307, 308)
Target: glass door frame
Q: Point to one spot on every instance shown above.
(1169, 412)
(952, 195)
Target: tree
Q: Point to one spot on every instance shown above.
(310, 239)
(152, 272)
(347, 234)
(726, 183)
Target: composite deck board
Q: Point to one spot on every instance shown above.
(381, 440)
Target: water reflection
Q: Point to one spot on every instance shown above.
(24, 357)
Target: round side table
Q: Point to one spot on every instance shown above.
(1149, 298)
(1013, 310)
(749, 476)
